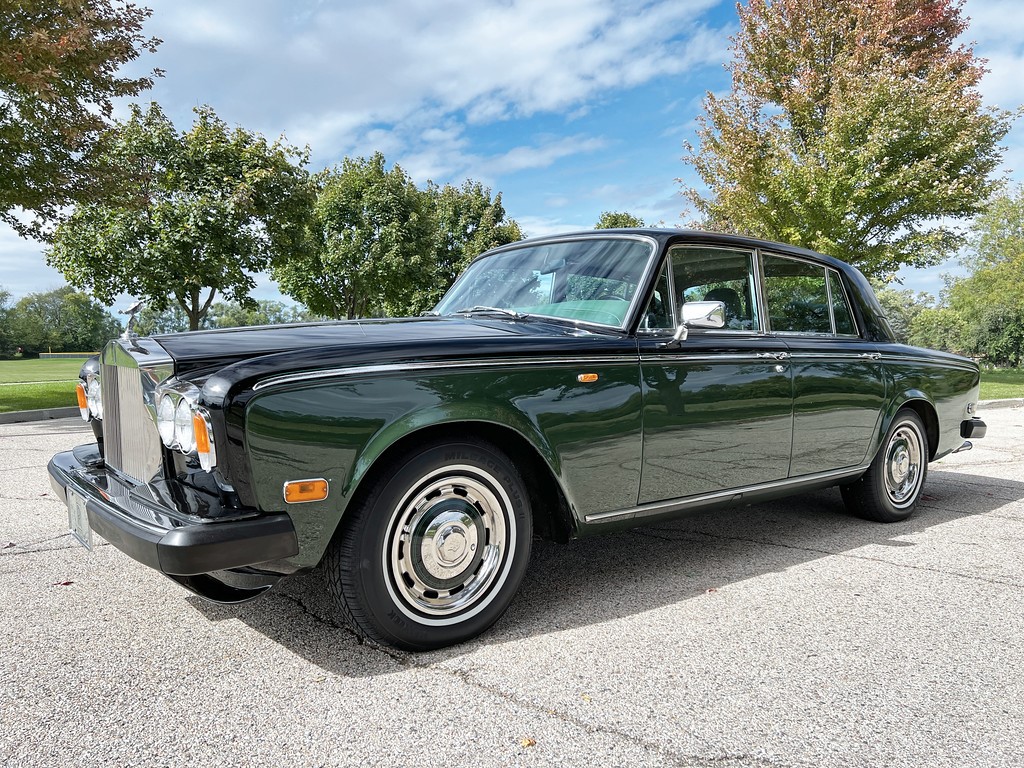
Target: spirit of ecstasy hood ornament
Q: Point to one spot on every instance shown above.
(132, 311)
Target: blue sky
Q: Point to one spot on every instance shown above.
(567, 107)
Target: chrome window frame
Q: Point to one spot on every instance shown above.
(826, 269)
(754, 263)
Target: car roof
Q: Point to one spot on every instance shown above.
(672, 236)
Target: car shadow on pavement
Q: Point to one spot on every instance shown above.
(604, 578)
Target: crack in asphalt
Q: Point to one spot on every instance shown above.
(21, 551)
(408, 661)
(818, 551)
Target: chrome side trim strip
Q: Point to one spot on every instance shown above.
(859, 356)
(928, 360)
(675, 505)
(355, 370)
(682, 357)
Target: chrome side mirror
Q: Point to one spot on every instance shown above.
(699, 314)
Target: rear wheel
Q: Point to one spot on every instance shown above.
(437, 550)
(890, 489)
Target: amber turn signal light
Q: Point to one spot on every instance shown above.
(83, 401)
(203, 441)
(298, 491)
(586, 378)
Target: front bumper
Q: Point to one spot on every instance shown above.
(148, 528)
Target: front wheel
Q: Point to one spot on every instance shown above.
(437, 550)
(891, 487)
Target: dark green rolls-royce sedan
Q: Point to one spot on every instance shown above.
(564, 386)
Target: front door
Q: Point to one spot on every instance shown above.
(718, 406)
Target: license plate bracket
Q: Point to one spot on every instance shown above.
(78, 519)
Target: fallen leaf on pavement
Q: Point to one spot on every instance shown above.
(526, 741)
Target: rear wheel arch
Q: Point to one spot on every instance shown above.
(918, 403)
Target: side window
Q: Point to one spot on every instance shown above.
(840, 307)
(718, 274)
(797, 296)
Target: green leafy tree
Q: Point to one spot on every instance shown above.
(59, 62)
(369, 245)
(171, 319)
(229, 314)
(983, 313)
(854, 128)
(62, 320)
(199, 214)
(7, 345)
(618, 220)
(901, 307)
(940, 328)
(466, 221)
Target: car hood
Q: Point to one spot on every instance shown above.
(237, 357)
(226, 346)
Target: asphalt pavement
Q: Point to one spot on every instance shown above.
(784, 634)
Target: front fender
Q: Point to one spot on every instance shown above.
(589, 435)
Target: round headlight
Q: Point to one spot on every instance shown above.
(184, 432)
(92, 395)
(165, 420)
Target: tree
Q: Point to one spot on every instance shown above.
(853, 127)
(983, 314)
(7, 345)
(901, 307)
(233, 315)
(199, 211)
(151, 322)
(59, 62)
(618, 220)
(466, 222)
(62, 320)
(369, 243)
(222, 314)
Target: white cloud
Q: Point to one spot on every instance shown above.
(324, 76)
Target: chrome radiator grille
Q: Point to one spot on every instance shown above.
(131, 443)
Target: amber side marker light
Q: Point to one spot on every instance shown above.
(586, 378)
(299, 491)
(83, 401)
(204, 445)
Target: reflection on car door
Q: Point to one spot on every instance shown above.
(717, 414)
(717, 407)
(838, 386)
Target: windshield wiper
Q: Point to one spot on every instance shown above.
(482, 309)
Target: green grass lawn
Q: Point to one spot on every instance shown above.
(29, 384)
(38, 370)
(28, 397)
(1000, 384)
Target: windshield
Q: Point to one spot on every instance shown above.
(590, 280)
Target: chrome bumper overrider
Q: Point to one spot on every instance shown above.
(163, 537)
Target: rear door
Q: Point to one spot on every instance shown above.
(838, 386)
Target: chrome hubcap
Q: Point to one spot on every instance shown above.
(448, 542)
(903, 465)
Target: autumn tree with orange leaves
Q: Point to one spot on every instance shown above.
(853, 127)
(59, 77)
